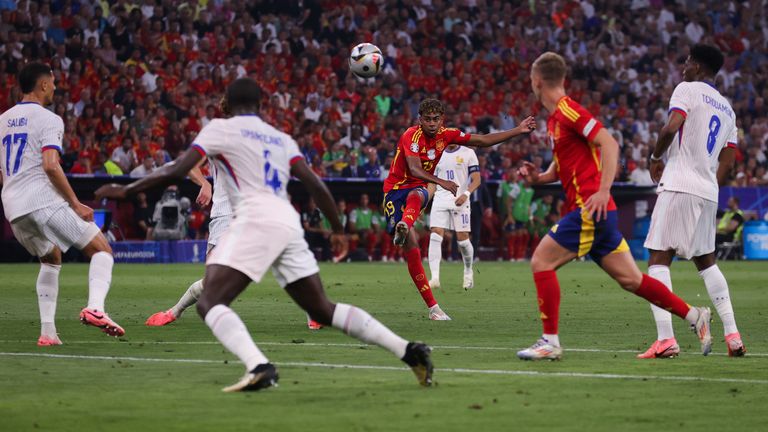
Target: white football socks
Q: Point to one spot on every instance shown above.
(467, 254)
(188, 299)
(435, 255)
(717, 287)
(99, 278)
(230, 330)
(47, 293)
(362, 326)
(662, 317)
(553, 339)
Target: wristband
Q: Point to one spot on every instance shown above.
(467, 193)
(654, 158)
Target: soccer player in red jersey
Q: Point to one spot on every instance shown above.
(405, 191)
(585, 160)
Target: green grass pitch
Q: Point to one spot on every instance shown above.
(169, 379)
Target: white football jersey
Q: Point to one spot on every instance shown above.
(252, 160)
(26, 131)
(221, 206)
(455, 166)
(710, 125)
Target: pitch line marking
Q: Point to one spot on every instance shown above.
(358, 345)
(394, 368)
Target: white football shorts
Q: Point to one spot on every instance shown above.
(252, 245)
(216, 228)
(684, 223)
(57, 225)
(446, 215)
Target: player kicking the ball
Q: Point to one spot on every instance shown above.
(451, 213)
(585, 159)
(256, 161)
(45, 215)
(405, 191)
(683, 220)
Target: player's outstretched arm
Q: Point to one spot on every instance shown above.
(534, 177)
(487, 140)
(167, 174)
(56, 175)
(609, 153)
(666, 135)
(416, 170)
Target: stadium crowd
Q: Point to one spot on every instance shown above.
(138, 79)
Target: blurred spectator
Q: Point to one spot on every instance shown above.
(641, 176)
(145, 168)
(730, 223)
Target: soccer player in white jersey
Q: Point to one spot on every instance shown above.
(257, 162)
(451, 213)
(221, 215)
(699, 140)
(45, 215)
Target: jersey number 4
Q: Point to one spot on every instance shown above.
(20, 140)
(271, 177)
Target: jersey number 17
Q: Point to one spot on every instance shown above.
(20, 140)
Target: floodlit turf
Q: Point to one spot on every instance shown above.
(169, 379)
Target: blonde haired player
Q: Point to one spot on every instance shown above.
(45, 215)
(683, 220)
(459, 165)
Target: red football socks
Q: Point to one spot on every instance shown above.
(658, 294)
(416, 269)
(412, 209)
(548, 292)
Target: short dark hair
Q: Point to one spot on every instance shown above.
(431, 106)
(707, 56)
(243, 93)
(30, 74)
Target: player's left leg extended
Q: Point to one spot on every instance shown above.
(308, 293)
(99, 280)
(223, 284)
(622, 268)
(717, 287)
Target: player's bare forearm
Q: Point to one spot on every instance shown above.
(491, 139)
(414, 166)
(319, 191)
(431, 187)
(474, 181)
(197, 176)
(727, 158)
(56, 175)
(167, 174)
(609, 150)
(667, 134)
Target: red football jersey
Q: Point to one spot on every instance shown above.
(571, 128)
(415, 143)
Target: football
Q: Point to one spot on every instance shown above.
(366, 60)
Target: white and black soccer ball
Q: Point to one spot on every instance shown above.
(366, 60)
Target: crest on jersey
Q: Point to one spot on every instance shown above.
(415, 147)
(440, 144)
(459, 160)
(431, 154)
